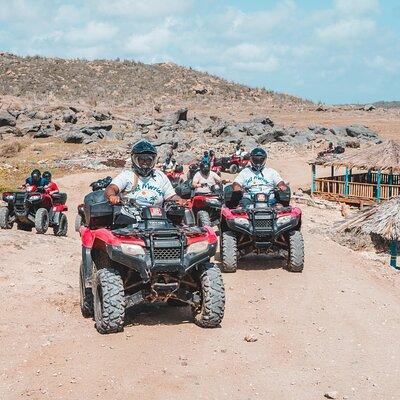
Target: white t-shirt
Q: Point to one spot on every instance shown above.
(255, 182)
(211, 180)
(149, 191)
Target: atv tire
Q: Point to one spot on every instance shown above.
(109, 301)
(78, 222)
(296, 252)
(228, 252)
(203, 218)
(41, 220)
(86, 296)
(62, 228)
(211, 311)
(5, 222)
(233, 169)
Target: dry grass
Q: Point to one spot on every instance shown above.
(11, 149)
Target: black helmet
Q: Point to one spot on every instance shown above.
(205, 168)
(258, 157)
(143, 157)
(47, 175)
(35, 175)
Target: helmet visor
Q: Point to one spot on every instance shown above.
(258, 160)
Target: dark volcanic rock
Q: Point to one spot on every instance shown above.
(70, 117)
(100, 116)
(6, 119)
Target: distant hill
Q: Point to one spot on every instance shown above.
(119, 82)
(387, 104)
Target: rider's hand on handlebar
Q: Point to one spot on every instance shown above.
(183, 202)
(114, 200)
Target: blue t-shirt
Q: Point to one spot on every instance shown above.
(41, 182)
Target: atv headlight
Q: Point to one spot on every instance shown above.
(8, 197)
(198, 247)
(35, 197)
(243, 222)
(132, 249)
(283, 220)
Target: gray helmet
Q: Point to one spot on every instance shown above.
(143, 156)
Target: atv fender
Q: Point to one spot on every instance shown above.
(87, 264)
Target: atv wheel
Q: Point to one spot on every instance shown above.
(233, 169)
(228, 252)
(211, 311)
(62, 228)
(24, 227)
(42, 220)
(296, 252)
(203, 218)
(78, 222)
(109, 301)
(5, 222)
(86, 296)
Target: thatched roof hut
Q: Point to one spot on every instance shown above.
(383, 157)
(382, 219)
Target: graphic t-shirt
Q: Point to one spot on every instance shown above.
(255, 182)
(211, 180)
(149, 191)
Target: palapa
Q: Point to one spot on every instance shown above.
(384, 156)
(382, 219)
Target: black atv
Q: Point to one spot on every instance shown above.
(257, 226)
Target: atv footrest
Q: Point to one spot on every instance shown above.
(133, 299)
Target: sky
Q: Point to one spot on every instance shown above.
(333, 51)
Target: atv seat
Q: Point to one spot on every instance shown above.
(59, 198)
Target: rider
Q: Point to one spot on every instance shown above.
(169, 164)
(258, 178)
(35, 179)
(212, 158)
(147, 185)
(204, 179)
(206, 158)
(51, 187)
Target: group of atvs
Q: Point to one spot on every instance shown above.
(133, 254)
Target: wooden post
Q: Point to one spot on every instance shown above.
(369, 176)
(378, 185)
(393, 254)
(390, 183)
(313, 176)
(332, 171)
(346, 182)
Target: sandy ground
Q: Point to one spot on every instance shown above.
(335, 327)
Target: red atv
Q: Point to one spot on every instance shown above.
(234, 163)
(35, 208)
(133, 254)
(262, 228)
(207, 206)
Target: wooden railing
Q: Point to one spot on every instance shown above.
(369, 191)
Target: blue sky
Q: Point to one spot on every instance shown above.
(335, 51)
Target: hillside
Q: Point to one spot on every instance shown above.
(118, 82)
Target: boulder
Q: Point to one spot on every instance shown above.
(75, 136)
(6, 119)
(145, 121)
(100, 116)
(180, 115)
(38, 115)
(43, 133)
(30, 127)
(263, 121)
(93, 129)
(360, 131)
(70, 117)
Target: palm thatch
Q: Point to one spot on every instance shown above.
(382, 219)
(384, 157)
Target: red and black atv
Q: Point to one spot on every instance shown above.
(35, 208)
(133, 254)
(100, 184)
(207, 206)
(176, 175)
(262, 228)
(234, 163)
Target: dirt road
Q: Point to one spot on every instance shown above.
(333, 328)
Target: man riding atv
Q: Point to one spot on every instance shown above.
(50, 187)
(146, 185)
(204, 179)
(258, 178)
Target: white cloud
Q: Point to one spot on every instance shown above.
(93, 32)
(155, 40)
(346, 31)
(353, 7)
